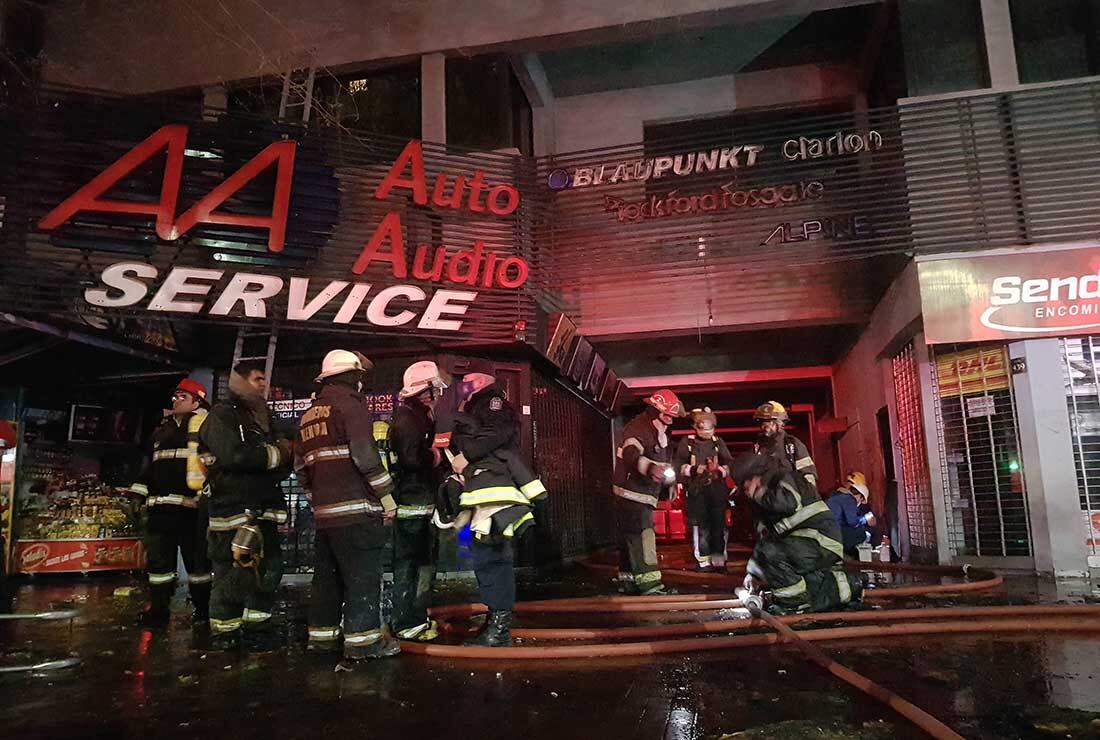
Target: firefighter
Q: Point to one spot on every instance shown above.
(848, 506)
(702, 460)
(773, 440)
(172, 483)
(799, 552)
(352, 497)
(245, 463)
(643, 472)
(498, 491)
(415, 464)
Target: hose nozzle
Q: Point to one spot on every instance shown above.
(753, 602)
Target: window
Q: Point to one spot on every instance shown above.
(486, 107)
(381, 102)
(1056, 39)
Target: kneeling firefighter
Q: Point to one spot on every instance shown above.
(788, 451)
(703, 460)
(246, 462)
(352, 497)
(498, 490)
(799, 552)
(415, 465)
(643, 473)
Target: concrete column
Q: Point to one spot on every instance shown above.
(927, 371)
(433, 98)
(1000, 48)
(1057, 524)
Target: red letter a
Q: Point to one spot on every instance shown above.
(173, 137)
(412, 154)
(390, 228)
(203, 211)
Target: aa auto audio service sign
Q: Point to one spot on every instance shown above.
(1018, 295)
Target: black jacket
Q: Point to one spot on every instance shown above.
(486, 433)
(164, 480)
(412, 464)
(790, 506)
(790, 453)
(246, 466)
(640, 448)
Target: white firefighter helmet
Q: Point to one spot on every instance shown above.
(338, 361)
(419, 377)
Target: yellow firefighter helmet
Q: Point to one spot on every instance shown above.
(771, 411)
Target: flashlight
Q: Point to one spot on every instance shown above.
(669, 474)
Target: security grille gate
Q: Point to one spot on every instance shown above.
(979, 447)
(915, 482)
(1082, 376)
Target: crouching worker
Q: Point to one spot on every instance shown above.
(799, 552)
(497, 491)
(352, 496)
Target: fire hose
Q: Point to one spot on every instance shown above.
(45, 665)
(654, 640)
(913, 713)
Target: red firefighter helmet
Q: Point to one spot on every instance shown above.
(196, 389)
(666, 402)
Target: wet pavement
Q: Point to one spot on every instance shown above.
(136, 683)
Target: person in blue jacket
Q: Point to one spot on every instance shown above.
(849, 507)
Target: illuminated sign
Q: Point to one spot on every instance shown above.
(830, 227)
(655, 168)
(839, 144)
(1011, 296)
(192, 290)
(720, 199)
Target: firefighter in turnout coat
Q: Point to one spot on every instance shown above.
(352, 496)
(498, 490)
(788, 451)
(246, 462)
(415, 465)
(702, 461)
(172, 484)
(799, 553)
(643, 472)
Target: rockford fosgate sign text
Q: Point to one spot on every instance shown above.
(188, 289)
(1013, 296)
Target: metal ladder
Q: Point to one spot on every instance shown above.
(297, 94)
(255, 344)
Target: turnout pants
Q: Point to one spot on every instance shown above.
(803, 575)
(494, 567)
(413, 573)
(638, 567)
(244, 596)
(709, 531)
(347, 582)
(177, 528)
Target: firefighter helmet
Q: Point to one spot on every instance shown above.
(337, 362)
(858, 481)
(702, 415)
(770, 411)
(196, 389)
(666, 402)
(419, 377)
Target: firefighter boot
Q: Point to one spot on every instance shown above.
(156, 613)
(383, 647)
(200, 599)
(497, 632)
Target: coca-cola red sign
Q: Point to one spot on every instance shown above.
(1018, 295)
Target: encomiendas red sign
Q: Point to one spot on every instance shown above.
(189, 289)
(1018, 295)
